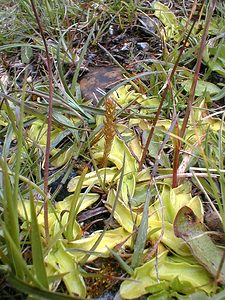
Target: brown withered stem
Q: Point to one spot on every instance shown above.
(109, 128)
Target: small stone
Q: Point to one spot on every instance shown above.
(29, 79)
(143, 46)
(111, 30)
(97, 78)
(126, 46)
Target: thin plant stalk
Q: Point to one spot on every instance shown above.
(145, 150)
(198, 66)
(222, 177)
(177, 145)
(49, 119)
(139, 247)
(193, 87)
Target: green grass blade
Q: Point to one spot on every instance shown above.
(37, 252)
(27, 181)
(142, 234)
(19, 136)
(40, 294)
(83, 52)
(8, 140)
(10, 216)
(122, 263)
(73, 211)
(69, 95)
(18, 260)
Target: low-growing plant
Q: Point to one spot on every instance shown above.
(147, 160)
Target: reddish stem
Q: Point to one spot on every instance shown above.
(177, 145)
(193, 87)
(49, 119)
(145, 150)
(198, 66)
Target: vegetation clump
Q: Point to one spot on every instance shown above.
(112, 183)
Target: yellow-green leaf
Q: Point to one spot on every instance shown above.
(110, 240)
(168, 269)
(85, 199)
(123, 215)
(106, 175)
(174, 199)
(118, 151)
(201, 88)
(168, 19)
(62, 262)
